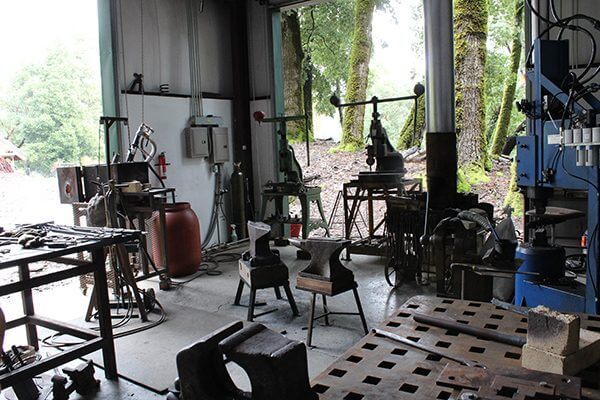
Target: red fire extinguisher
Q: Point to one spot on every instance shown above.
(162, 165)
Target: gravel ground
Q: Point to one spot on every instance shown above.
(332, 169)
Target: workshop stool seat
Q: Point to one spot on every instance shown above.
(318, 286)
(263, 277)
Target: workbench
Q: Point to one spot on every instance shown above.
(380, 368)
(75, 240)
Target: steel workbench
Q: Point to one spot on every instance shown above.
(89, 240)
(379, 368)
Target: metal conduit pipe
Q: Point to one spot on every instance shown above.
(440, 116)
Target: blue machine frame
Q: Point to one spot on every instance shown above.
(541, 149)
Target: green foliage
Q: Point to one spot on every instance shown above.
(510, 84)
(53, 108)
(500, 44)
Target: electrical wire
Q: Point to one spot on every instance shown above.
(578, 177)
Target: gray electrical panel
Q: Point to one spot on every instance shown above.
(196, 142)
(220, 145)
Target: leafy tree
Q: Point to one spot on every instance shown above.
(510, 84)
(471, 27)
(53, 107)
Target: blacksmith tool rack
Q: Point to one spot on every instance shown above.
(58, 243)
(378, 367)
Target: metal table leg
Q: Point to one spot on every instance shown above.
(28, 309)
(104, 319)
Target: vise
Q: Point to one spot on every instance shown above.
(82, 381)
(276, 366)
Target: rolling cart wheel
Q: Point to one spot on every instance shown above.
(393, 274)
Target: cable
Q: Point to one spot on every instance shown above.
(578, 177)
(594, 239)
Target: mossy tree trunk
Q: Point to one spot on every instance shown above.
(510, 85)
(358, 75)
(293, 57)
(470, 27)
(408, 136)
(514, 198)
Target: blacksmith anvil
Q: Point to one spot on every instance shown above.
(276, 366)
(325, 273)
(262, 268)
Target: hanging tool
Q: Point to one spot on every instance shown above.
(140, 141)
(408, 342)
(483, 333)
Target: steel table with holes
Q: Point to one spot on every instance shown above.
(379, 368)
(103, 340)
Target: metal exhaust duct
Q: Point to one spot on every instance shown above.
(440, 103)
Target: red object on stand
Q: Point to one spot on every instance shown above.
(295, 230)
(184, 247)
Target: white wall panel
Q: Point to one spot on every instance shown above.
(193, 179)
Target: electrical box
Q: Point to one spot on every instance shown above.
(220, 145)
(196, 142)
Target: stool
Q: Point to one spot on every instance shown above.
(262, 268)
(325, 275)
(306, 195)
(271, 276)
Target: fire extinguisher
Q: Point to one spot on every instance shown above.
(162, 165)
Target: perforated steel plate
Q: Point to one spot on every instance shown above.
(379, 368)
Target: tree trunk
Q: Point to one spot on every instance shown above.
(358, 76)
(470, 27)
(293, 57)
(510, 85)
(514, 198)
(408, 136)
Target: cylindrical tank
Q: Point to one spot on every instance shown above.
(238, 201)
(548, 261)
(184, 247)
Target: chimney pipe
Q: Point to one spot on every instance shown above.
(440, 103)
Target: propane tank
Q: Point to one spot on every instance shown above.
(238, 200)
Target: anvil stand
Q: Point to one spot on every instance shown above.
(325, 275)
(262, 268)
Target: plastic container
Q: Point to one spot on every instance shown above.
(184, 247)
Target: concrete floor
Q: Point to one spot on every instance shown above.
(210, 298)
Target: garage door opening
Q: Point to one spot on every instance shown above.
(49, 104)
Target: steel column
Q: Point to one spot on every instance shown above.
(440, 103)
